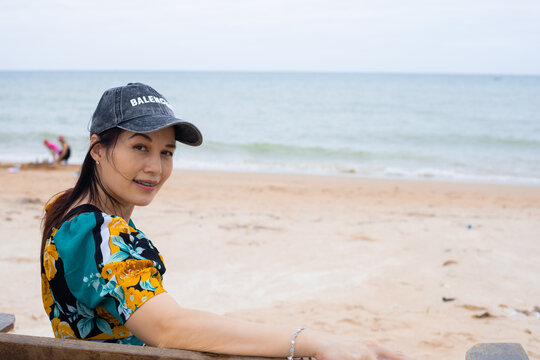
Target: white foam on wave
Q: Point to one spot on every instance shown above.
(354, 170)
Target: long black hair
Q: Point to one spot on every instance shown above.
(88, 185)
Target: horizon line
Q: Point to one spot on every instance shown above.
(279, 72)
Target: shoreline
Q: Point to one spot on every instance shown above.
(346, 175)
(350, 255)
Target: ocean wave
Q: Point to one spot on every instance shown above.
(276, 149)
(352, 170)
(525, 141)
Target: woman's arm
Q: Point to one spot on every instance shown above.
(162, 322)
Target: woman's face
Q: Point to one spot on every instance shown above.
(135, 169)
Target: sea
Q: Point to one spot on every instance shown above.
(467, 128)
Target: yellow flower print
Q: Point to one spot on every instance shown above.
(156, 281)
(52, 201)
(109, 270)
(120, 332)
(135, 298)
(101, 336)
(159, 290)
(135, 271)
(116, 227)
(107, 316)
(62, 329)
(129, 272)
(46, 294)
(50, 255)
(145, 296)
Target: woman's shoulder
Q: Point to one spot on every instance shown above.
(89, 230)
(77, 224)
(88, 219)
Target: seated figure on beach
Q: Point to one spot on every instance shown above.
(65, 152)
(102, 276)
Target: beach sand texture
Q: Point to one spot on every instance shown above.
(369, 257)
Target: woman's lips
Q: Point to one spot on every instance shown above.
(146, 184)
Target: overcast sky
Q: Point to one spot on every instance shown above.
(425, 36)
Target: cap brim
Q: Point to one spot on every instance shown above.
(185, 132)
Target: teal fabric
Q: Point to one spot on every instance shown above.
(75, 244)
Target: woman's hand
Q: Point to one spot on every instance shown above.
(332, 347)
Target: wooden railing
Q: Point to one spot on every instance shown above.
(23, 347)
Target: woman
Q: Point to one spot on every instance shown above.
(102, 277)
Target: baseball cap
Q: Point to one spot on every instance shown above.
(139, 108)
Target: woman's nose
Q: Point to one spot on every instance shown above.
(153, 164)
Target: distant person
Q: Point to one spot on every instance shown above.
(102, 277)
(65, 153)
(53, 149)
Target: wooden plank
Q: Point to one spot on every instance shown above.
(7, 321)
(497, 351)
(23, 347)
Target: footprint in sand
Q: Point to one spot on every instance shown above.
(358, 237)
(351, 321)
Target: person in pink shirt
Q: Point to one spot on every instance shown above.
(53, 148)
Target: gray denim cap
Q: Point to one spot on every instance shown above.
(139, 108)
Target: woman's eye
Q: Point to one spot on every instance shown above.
(140, 147)
(167, 153)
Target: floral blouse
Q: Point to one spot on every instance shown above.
(97, 270)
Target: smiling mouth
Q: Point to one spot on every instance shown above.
(145, 183)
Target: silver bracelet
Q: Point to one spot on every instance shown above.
(293, 341)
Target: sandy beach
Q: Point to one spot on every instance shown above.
(427, 267)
